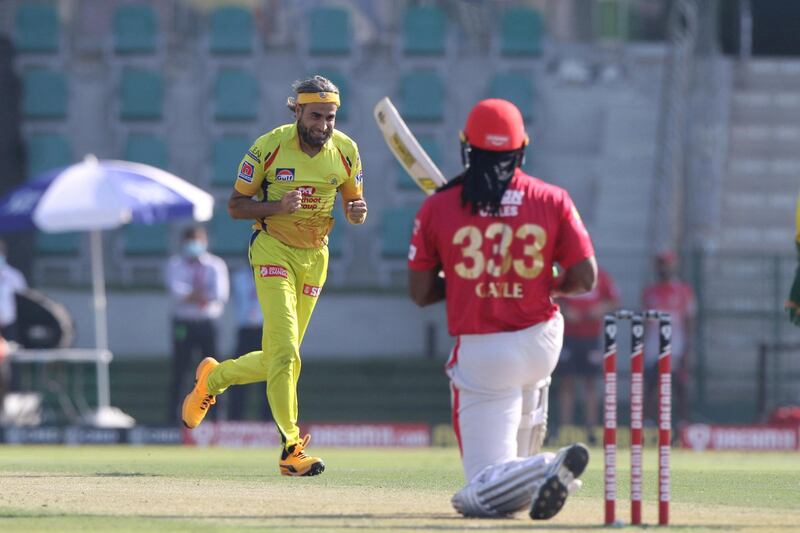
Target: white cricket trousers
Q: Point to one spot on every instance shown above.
(493, 382)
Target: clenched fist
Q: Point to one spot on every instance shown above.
(291, 202)
(357, 211)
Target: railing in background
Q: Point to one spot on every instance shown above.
(740, 323)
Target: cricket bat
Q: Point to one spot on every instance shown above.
(406, 148)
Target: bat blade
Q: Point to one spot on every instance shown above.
(406, 148)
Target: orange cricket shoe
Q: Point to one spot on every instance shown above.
(199, 401)
(294, 462)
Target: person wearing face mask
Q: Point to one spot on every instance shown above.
(198, 286)
(11, 282)
(287, 183)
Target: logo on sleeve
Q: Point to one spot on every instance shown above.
(246, 172)
(311, 290)
(284, 174)
(359, 177)
(272, 271)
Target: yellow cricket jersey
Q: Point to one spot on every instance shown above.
(275, 165)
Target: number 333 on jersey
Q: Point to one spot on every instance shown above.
(499, 267)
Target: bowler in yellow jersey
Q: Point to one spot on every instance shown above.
(287, 182)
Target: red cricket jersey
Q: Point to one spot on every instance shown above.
(499, 268)
(676, 298)
(588, 321)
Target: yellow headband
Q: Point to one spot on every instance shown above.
(320, 97)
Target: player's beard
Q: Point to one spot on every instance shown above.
(312, 139)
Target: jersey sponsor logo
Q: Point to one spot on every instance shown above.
(284, 174)
(359, 177)
(308, 200)
(246, 172)
(252, 153)
(412, 252)
(272, 271)
(311, 290)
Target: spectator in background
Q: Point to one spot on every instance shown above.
(11, 282)
(582, 357)
(671, 295)
(249, 322)
(198, 288)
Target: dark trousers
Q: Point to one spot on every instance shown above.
(248, 339)
(192, 340)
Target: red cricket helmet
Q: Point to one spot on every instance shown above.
(495, 125)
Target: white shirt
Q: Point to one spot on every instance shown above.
(207, 274)
(11, 282)
(245, 299)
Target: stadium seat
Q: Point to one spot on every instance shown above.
(144, 239)
(516, 88)
(235, 95)
(226, 154)
(147, 149)
(141, 95)
(134, 29)
(58, 243)
(424, 31)
(47, 151)
(431, 146)
(422, 96)
(44, 94)
(610, 19)
(36, 28)
(329, 32)
(228, 236)
(396, 231)
(521, 32)
(341, 82)
(231, 31)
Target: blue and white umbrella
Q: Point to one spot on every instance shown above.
(93, 196)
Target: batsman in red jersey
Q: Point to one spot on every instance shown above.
(495, 233)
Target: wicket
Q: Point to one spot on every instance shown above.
(637, 320)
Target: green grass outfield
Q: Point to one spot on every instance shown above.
(125, 488)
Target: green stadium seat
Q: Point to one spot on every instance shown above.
(134, 29)
(521, 32)
(47, 151)
(235, 95)
(422, 96)
(36, 28)
(226, 154)
(610, 19)
(44, 94)
(516, 88)
(141, 95)
(396, 227)
(147, 149)
(424, 31)
(228, 236)
(146, 240)
(58, 243)
(231, 31)
(431, 146)
(341, 82)
(329, 32)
